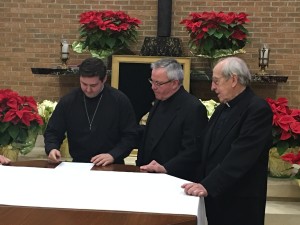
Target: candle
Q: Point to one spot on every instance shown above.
(64, 49)
(263, 56)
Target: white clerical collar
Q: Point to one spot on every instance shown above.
(227, 104)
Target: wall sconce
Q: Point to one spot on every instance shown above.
(263, 60)
(64, 53)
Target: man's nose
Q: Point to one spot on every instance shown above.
(88, 88)
(213, 87)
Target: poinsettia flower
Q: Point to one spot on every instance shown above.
(291, 158)
(239, 35)
(103, 32)
(26, 117)
(295, 112)
(284, 121)
(13, 103)
(16, 110)
(286, 124)
(213, 32)
(242, 18)
(29, 100)
(19, 120)
(295, 127)
(10, 116)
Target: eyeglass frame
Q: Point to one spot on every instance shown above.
(158, 84)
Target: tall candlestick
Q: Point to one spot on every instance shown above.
(64, 49)
(264, 55)
(263, 60)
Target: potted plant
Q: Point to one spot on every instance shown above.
(216, 34)
(286, 136)
(104, 32)
(45, 109)
(20, 123)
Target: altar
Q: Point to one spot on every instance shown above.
(101, 195)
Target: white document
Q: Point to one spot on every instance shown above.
(75, 166)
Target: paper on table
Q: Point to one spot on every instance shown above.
(75, 166)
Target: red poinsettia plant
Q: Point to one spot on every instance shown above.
(294, 160)
(104, 32)
(216, 34)
(286, 125)
(19, 120)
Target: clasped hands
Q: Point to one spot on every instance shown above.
(103, 159)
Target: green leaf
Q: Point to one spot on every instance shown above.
(218, 34)
(224, 25)
(78, 46)
(242, 28)
(208, 47)
(3, 127)
(5, 139)
(282, 146)
(23, 134)
(211, 31)
(111, 42)
(13, 131)
(227, 33)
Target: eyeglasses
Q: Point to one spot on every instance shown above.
(217, 81)
(158, 84)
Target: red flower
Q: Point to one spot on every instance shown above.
(286, 124)
(212, 33)
(292, 158)
(18, 109)
(105, 31)
(18, 114)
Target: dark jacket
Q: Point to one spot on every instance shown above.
(113, 129)
(181, 119)
(234, 161)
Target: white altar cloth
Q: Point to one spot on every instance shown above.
(97, 190)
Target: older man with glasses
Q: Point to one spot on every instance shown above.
(233, 167)
(175, 121)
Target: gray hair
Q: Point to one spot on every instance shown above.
(173, 68)
(237, 66)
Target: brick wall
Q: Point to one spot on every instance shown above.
(31, 31)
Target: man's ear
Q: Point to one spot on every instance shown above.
(175, 84)
(104, 79)
(234, 78)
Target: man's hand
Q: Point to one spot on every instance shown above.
(104, 159)
(153, 166)
(195, 189)
(4, 160)
(54, 156)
